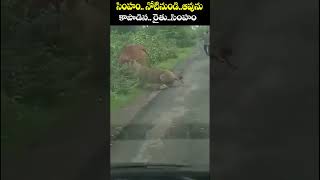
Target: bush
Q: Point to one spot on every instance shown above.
(158, 45)
(183, 35)
(161, 43)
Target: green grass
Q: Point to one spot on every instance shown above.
(123, 99)
(182, 55)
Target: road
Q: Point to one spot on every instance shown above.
(174, 127)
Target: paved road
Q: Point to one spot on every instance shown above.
(174, 128)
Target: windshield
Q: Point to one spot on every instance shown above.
(159, 95)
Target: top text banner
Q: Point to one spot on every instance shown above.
(164, 12)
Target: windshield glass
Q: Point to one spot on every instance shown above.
(160, 95)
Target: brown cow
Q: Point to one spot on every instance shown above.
(134, 52)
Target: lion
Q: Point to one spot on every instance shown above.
(154, 76)
(134, 52)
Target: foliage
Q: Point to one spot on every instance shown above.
(162, 44)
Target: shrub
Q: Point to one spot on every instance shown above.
(161, 43)
(158, 45)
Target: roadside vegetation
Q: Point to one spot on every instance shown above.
(166, 46)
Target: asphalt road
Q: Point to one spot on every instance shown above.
(174, 127)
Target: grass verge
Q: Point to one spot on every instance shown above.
(182, 55)
(123, 99)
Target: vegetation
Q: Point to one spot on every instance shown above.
(167, 45)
